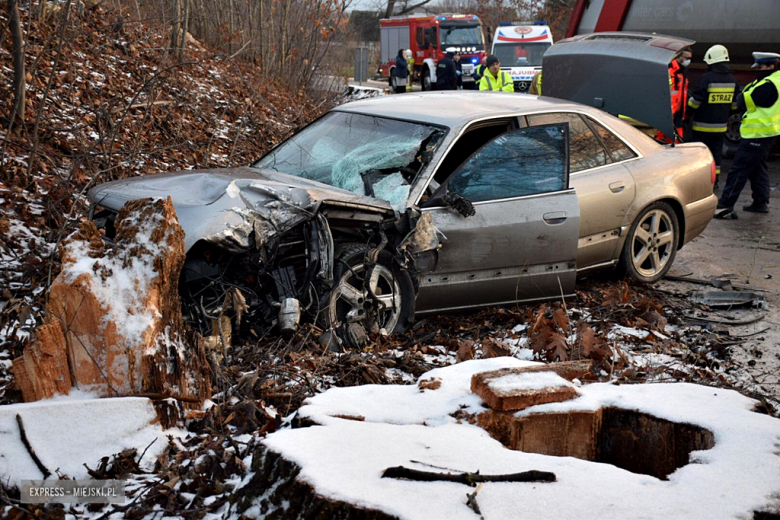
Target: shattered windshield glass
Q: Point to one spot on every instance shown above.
(363, 154)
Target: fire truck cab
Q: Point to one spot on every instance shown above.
(519, 46)
(428, 37)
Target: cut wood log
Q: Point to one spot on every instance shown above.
(114, 325)
(503, 397)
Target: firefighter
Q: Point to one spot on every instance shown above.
(711, 102)
(760, 101)
(409, 65)
(496, 79)
(446, 77)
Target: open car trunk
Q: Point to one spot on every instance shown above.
(618, 72)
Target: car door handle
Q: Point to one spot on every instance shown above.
(617, 187)
(555, 217)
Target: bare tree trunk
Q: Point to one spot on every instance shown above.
(185, 27)
(260, 25)
(17, 42)
(283, 39)
(175, 26)
(390, 8)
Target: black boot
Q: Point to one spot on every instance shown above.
(757, 208)
(726, 214)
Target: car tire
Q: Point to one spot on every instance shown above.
(651, 244)
(426, 80)
(347, 302)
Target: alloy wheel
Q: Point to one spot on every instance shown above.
(349, 302)
(653, 243)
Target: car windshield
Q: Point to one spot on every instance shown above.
(363, 154)
(520, 54)
(460, 35)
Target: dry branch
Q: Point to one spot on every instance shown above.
(470, 479)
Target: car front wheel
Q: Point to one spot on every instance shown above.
(651, 244)
(368, 297)
(427, 84)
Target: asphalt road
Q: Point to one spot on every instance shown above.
(747, 252)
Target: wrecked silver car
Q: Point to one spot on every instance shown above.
(438, 201)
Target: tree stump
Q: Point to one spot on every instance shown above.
(114, 325)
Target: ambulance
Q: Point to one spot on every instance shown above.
(519, 46)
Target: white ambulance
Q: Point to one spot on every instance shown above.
(519, 46)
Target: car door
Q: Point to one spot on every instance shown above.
(605, 188)
(521, 242)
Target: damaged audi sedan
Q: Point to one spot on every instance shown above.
(395, 206)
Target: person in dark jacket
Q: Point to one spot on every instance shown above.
(458, 71)
(401, 72)
(446, 72)
(711, 102)
(760, 128)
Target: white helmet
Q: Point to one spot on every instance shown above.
(408, 53)
(716, 54)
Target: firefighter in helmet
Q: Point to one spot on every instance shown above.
(712, 101)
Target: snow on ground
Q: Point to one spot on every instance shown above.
(343, 459)
(69, 431)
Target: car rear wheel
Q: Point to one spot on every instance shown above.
(651, 244)
(368, 297)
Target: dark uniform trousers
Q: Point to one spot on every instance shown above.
(749, 165)
(714, 141)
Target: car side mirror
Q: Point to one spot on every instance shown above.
(459, 203)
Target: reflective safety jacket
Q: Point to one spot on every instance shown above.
(536, 85)
(762, 102)
(502, 83)
(713, 98)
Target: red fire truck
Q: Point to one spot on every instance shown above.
(428, 37)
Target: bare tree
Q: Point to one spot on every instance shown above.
(17, 40)
(406, 7)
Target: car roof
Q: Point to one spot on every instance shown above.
(455, 108)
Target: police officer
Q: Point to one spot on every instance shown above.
(458, 71)
(446, 75)
(759, 129)
(712, 100)
(496, 79)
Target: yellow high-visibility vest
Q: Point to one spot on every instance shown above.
(503, 83)
(761, 122)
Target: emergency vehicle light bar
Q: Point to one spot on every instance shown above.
(509, 24)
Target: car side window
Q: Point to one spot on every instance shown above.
(619, 150)
(585, 150)
(522, 162)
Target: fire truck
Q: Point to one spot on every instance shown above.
(519, 46)
(428, 37)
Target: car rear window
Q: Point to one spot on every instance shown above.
(617, 148)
